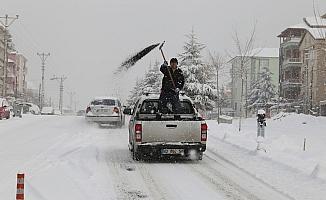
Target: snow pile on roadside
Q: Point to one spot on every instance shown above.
(284, 143)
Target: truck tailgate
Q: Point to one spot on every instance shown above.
(171, 131)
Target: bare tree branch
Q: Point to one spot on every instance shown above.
(244, 54)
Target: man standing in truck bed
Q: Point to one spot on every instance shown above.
(173, 81)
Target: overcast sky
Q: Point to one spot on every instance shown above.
(89, 39)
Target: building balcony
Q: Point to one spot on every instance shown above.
(291, 62)
(290, 42)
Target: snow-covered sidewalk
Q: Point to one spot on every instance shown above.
(285, 166)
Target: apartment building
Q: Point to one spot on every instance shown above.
(254, 63)
(313, 71)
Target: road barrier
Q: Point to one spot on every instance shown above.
(20, 187)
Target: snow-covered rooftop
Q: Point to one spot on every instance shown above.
(261, 53)
(316, 26)
(301, 25)
(317, 33)
(315, 21)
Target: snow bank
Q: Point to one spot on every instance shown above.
(284, 144)
(319, 171)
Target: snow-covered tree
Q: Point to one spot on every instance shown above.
(198, 85)
(263, 90)
(153, 79)
(150, 83)
(135, 93)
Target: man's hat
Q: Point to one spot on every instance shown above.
(174, 60)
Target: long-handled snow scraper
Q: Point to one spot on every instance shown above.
(170, 75)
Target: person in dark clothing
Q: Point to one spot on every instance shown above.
(172, 83)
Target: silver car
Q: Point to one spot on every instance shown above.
(105, 110)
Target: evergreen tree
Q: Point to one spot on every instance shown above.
(263, 90)
(150, 83)
(152, 80)
(198, 86)
(135, 93)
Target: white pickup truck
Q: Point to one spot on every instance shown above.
(178, 134)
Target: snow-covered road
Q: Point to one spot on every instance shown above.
(67, 158)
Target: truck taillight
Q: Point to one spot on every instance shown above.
(88, 109)
(204, 128)
(138, 132)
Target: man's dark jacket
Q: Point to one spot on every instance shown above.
(178, 78)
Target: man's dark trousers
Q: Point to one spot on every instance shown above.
(171, 97)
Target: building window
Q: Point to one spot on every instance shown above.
(296, 53)
(264, 63)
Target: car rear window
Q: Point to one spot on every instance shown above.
(151, 107)
(106, 102)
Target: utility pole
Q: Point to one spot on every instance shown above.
(61, 81)
(43, 58)
(6, 21)
(39, 94)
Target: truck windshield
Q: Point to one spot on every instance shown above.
(151, 107)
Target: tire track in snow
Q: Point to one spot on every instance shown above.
(133, 180)
(123, 178)
(151, 183)
(215, 157)
(217, 180)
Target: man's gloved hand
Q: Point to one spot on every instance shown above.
(165, 63)
(177, 90)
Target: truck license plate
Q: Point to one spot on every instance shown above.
(172, 151)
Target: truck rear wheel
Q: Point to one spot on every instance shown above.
(135, 154)
(200, 156)
(120, 124)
